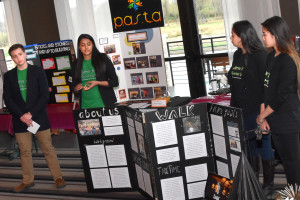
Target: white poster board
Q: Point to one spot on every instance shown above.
(139, 63)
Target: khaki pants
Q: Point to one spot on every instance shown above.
(25, 145)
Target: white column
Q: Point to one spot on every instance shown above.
(14, 22)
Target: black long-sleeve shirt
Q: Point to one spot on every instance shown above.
(246, 78)
(280, 93)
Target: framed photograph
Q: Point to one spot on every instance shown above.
(132, 37)
(110, 49)
(152, 77)
(134, 93)
(155, 61)
(159, 91)
(122, 94)
(139, 48)
(129, 63)
(137, 78)
(142, 62)
(103, 41)
(147, 93)
(116, 59)
(89, 127)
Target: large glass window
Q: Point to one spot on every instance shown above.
(4, 44)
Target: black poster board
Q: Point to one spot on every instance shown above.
(103, 142)
(169, 151)
(56, 59)
(135, 14)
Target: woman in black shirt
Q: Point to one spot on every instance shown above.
(246, 85)
(281, 100)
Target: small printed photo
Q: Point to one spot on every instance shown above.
(110, 49)
(89, 127)
(122, 94)
(152, 77)
(141, 145)
(147, 93)
(234, 144)
(142, 62)
(159, 91)
(217, 187)
(139, 48)
(155, 61)
(137, 78)
(129, 63)
(233, 129)
(191, 124)
(134, 93)
(116, 59)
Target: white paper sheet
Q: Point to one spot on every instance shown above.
(48, 63)
(61, 89)
(233, 131)
(217, 124)
(220, 146)
(61, 98)
(113, 130)
(196, 190)
(167, 155)
(164, 133)
(133, 140)
(59, 80)
(96, 155)
(147, 181)
(120, 177)
(34, 128)
(172, 188)
(116, 155)
(63, 62)
(130, 122)
(139, 127)
(100, 178)
(234, 162)
(222, 169)
(194, 146)
(140, 177)
(112, 120)
(196, 173)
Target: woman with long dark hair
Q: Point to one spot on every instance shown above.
(281, 96)
(246, 78)
(93, 75)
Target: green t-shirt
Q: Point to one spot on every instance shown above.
(90, 98)
(22, 80)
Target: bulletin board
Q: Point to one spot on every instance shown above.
(103, 141)
(139, 63)
(56, 59)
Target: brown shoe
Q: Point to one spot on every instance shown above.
(60, 183)
(23, 186)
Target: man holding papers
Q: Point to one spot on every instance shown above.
(26, 96)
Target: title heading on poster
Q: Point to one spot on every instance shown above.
(175, 113)
(53, 47)
(168, 170)
(86, 114)
(225, 112)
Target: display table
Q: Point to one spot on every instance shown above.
(218, 99)
(60, 117)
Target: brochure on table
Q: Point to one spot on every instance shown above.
(3, 69)
(139, 62)
(169, 152)
(56, 59)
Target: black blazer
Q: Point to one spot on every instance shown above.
(36, 100)
(107, 93)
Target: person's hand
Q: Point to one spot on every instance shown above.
(265, 126)
(90, 84)
(27, 119)
(259, 119)
(78, 87)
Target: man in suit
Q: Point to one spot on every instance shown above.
(25, 92)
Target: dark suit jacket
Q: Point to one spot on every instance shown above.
(37, 97)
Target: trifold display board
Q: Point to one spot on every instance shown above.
(139, 63)
(56, 59)
(169, 151)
